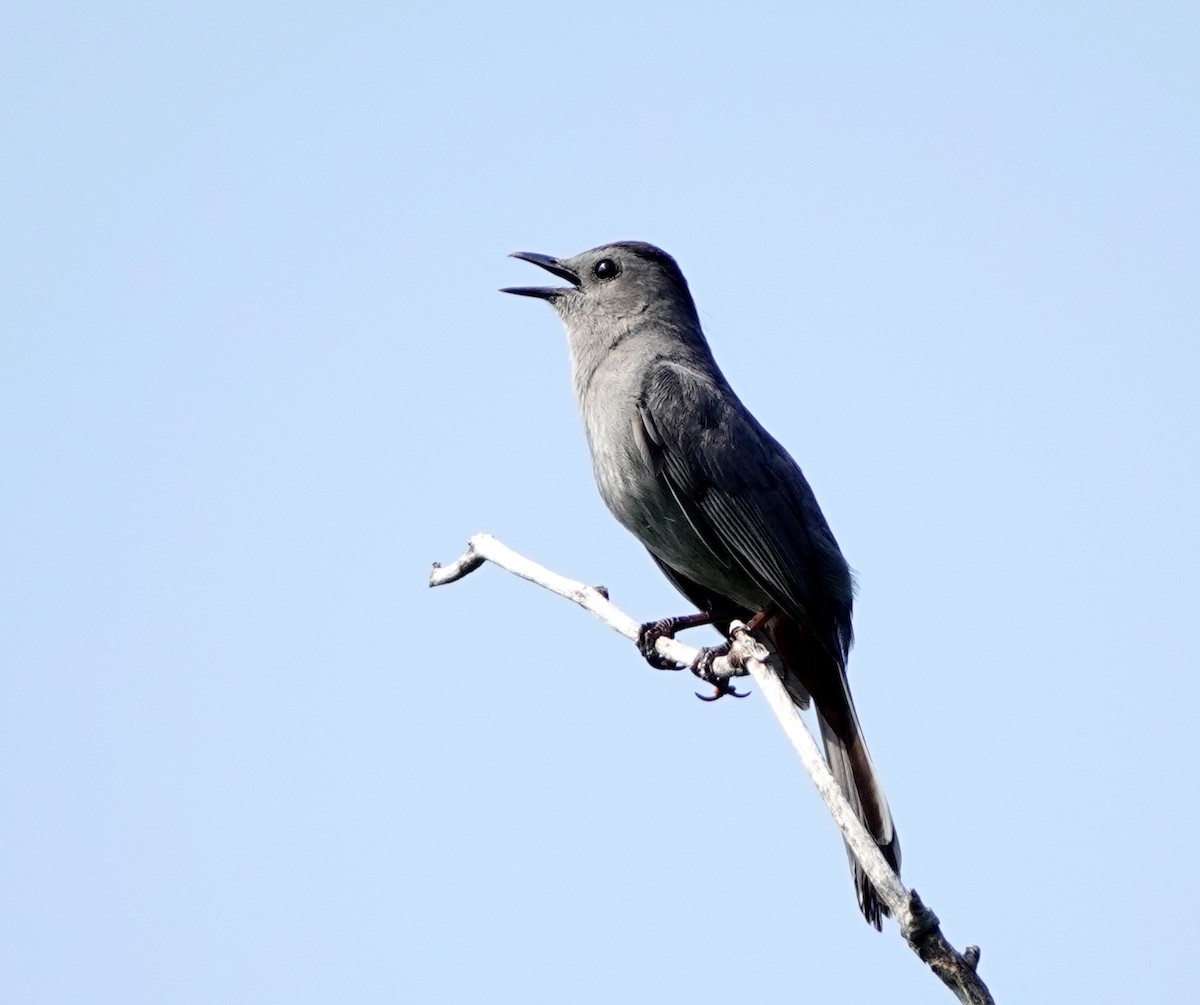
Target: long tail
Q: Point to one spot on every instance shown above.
(850, 763)
(811, 669)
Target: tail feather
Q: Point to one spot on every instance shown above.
(850, 764)
(810, 670)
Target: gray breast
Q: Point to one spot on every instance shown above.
(643, 504)
(608, 386)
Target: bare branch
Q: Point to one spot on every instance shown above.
(918, 924)
(593, 599)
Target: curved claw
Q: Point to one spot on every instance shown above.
(722, 689)
(702, 668)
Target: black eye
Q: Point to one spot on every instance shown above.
(606, 268)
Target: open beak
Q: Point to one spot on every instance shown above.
(552, 265)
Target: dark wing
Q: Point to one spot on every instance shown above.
(747, 500)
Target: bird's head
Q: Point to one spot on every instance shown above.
(613, 284)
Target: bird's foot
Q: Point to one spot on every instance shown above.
(703, 667)
(647, 640)
(665, 628)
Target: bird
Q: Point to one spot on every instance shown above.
(723, 509)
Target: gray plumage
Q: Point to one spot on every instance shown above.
(720, 505)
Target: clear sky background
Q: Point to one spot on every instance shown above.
(257, 377)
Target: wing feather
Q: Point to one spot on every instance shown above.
(747, 499)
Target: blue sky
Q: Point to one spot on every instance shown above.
(258, 378)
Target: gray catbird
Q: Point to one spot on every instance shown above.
(723, 509)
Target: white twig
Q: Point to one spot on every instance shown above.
(485, 548)
(919, 926)
(886, 882)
